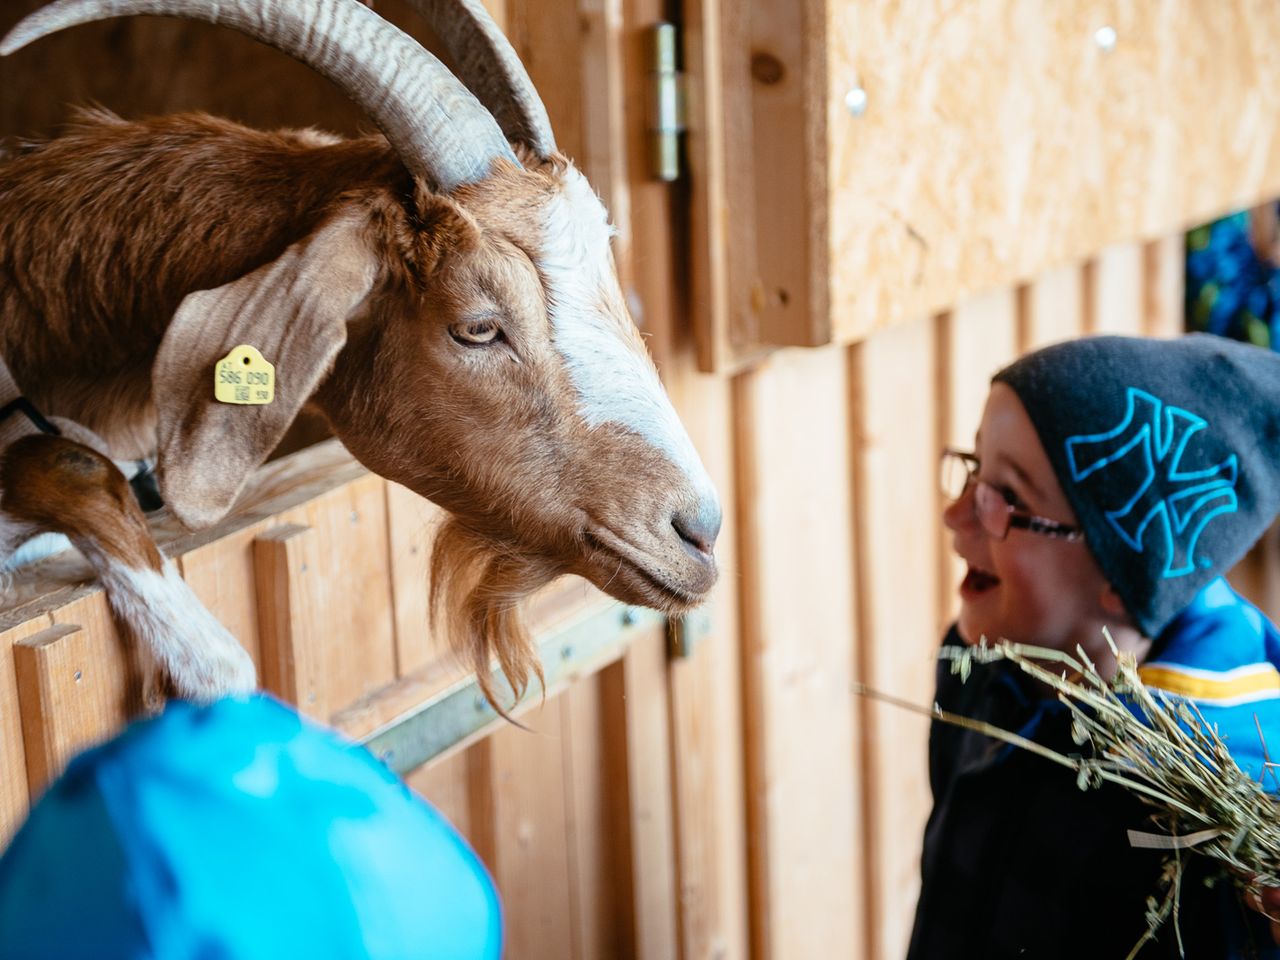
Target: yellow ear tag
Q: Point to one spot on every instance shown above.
(244, 376)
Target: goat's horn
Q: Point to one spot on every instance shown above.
(486, 62)
(439, 129)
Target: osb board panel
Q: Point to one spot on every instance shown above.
(798, 626)
(896, 404)
(981, 161)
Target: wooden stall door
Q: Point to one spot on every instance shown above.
(616, 826)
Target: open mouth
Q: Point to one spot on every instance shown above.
(977, 582)
(634, 581)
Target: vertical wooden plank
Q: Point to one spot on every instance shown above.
(14, 796)
(73, 686)
(706, 708)
(1164, 269)
(1051, 308)
(588, 842)
(975, 340)
(547, 38)
(1114, 294)
(324, 595)
(221, 575)
(897, 507)
(794, 504)
(288, 590)
(518, 820)
(789, 290)
(647, 750)
(411, 526)
(712, 117)
(355, 643)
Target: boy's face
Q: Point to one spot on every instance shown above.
(1027, 588)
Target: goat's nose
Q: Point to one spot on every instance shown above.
(699, 526)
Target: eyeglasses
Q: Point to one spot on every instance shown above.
(959, 473)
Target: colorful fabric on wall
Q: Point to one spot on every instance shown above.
(1230, 289)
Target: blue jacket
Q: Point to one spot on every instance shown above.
(1019, 862)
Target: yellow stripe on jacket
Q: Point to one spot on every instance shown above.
(1256, 681)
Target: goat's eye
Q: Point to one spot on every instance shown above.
(476, 333)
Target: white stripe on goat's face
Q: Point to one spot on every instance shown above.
(615, 379)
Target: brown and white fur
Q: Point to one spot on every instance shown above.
(471, 343)
(53, 484)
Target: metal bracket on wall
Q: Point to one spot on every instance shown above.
(666, 113)
(461, 714)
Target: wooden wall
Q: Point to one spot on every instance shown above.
(735, 803)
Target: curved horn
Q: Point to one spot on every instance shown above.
(487, 63)
(440, 131)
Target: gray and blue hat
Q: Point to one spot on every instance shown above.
(1168, 451)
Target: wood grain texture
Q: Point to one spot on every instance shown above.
(1115, 291)
(980, 162)
(288, 627)
(706, 707)
(221, 575)
(636, 728)
(75, 686)
(896, 418)
(974, 341)
(519, 819)
(1164, 264)
(1051, 308)
(411, 526)
(14, 795)
(798, 626)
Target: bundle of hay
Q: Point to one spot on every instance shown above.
(1159, 747)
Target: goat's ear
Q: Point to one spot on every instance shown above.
(443, 226)
(294, 310)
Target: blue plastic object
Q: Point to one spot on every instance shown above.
(240, 831)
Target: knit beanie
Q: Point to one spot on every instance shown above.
(1168, 451)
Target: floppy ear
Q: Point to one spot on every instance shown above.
(294, 311)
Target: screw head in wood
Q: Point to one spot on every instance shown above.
(1105, 37)
(855, 101)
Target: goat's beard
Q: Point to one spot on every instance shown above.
(477, 585)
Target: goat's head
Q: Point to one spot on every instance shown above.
(477, 349)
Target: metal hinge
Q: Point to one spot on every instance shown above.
(666, 114)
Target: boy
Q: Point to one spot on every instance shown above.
(1114, 481)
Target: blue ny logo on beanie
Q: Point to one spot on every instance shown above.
(1156, 488)
(1168, 452)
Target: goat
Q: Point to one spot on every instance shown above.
(444, 295)
(54, 484)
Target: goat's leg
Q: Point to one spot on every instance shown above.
(57, 485)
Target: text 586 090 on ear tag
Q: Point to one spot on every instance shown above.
(244, 376)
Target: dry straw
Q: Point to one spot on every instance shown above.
(1159, 747)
